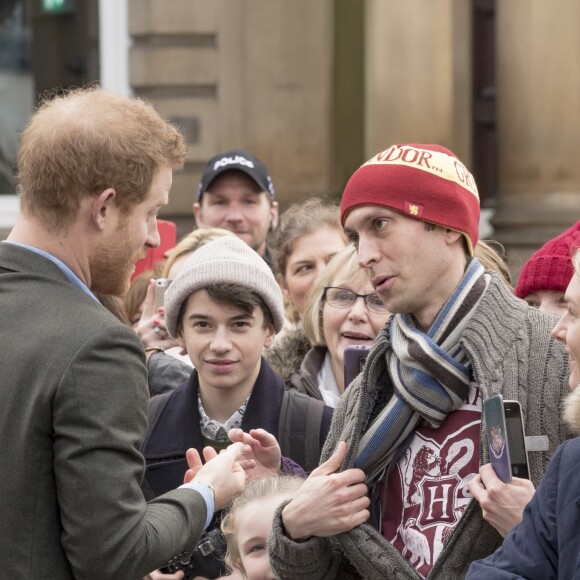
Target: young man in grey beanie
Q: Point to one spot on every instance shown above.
(224, 307)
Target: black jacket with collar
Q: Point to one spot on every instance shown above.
(177, 427)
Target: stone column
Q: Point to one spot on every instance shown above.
(538, 46)
(418, 69)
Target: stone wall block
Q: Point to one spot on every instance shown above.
(152, 17)
(172, 66)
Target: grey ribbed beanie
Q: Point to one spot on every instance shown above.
(225, 260)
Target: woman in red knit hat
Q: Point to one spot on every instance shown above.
(546, 275)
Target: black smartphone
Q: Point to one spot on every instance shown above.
(497, 439)
(355, 357)
(516, 436)
(161, 285)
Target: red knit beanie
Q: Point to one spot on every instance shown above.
(425, 182)
(550, 268)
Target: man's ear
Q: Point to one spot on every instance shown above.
(270, 335)
(274, 211)
(451, 236)
(197, 214)
(180, 338)
(101, 206)
(181, 342)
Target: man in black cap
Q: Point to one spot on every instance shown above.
(236, 193)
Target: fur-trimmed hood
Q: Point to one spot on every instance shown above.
(287, 353)
(572, 410)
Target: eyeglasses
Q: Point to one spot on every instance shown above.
(343, 298)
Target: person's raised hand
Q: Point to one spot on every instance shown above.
(264, 456)
(151, 327)
(329, 502)
(222, 471)
(195, 463)
(502, 504)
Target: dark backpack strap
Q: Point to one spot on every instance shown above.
(283, 431)
(299, 429)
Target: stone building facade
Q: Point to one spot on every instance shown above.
(315, 88)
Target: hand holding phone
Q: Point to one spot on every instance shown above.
(516, 436)
(499, 455)
(355, 356)
(506, 438)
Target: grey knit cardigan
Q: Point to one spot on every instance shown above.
(512, 353)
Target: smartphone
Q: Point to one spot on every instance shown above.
(517, 439)
(161, 285)
(497, 441)
(355, 357)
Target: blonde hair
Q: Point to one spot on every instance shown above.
(255, 489)
(492, 256)
(86, 140)
(342, 269)
(572, 402)
(191, 242)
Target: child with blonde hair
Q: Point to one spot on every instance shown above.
(248, 521)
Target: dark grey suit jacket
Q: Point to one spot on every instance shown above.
(73, 416)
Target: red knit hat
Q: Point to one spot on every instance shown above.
(550, 268)
(425, 182)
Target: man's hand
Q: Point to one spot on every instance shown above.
(328, 502)
(222, 471)
(194, 462)
(502, 503)
(264, 456)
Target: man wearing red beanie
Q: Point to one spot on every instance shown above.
(412, 420)
(546, 275)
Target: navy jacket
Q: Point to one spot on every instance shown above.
(177, 428)
(546, 544)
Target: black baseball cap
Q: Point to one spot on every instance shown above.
(240, 160)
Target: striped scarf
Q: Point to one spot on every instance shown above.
(430, 374)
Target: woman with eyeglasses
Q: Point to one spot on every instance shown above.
(342, 310)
